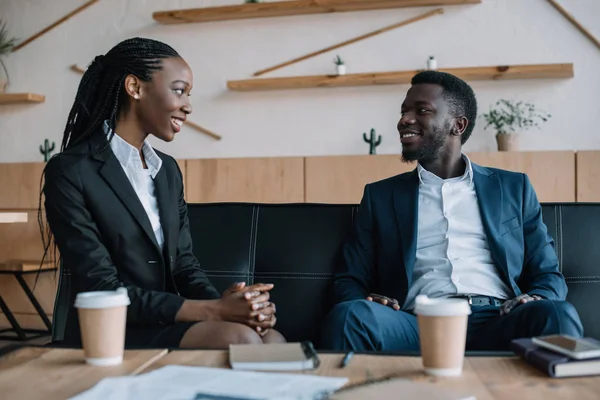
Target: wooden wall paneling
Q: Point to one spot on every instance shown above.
(588, 176)
(20, 183)
(21, 241)
(341, 179)
(552, 173)
(260, 180)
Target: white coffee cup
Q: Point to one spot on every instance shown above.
(442, 333)
(102, 321)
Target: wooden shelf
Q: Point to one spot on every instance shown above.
(13, 217)
(289, 8)
(15, 98)
(539, 71)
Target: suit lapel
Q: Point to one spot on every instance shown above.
(406, 207)
(112, 172)
(161, 185)
(490, 201)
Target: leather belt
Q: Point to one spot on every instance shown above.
(480, 301)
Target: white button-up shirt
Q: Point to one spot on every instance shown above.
(140, 178)
(453, 256)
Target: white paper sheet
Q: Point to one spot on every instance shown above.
(178, 382)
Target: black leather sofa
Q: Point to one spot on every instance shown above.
(295, 247)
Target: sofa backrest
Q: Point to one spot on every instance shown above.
(296, 247)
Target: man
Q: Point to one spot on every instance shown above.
(449, 228)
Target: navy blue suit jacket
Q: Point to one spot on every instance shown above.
(379, 254)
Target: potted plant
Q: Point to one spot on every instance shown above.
(6, 45)
(340, 65)
(509, 118)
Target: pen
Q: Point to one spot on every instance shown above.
(346, 359)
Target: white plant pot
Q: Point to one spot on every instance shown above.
(341, 69)
(431, 64)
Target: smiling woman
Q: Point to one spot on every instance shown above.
(116, 209)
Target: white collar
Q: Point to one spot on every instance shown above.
(468, 171)
(129, 156)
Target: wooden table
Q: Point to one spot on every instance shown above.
(44, 373)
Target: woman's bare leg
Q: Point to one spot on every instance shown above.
(273, 337)
(218, 335)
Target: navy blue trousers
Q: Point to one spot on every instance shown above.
(361, 325)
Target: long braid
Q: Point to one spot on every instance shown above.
(100, 97)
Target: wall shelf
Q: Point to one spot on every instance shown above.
(289, 8)
(16, 98)
(506, 72)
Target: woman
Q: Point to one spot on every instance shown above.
(116, 209)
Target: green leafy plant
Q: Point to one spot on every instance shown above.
(507, 117)
(6, 45)
(338, 60)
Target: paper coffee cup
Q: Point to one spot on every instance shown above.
(102, 319)
(442, 333)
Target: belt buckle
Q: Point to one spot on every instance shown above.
(470, 299)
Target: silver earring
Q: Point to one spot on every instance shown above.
(136, 96)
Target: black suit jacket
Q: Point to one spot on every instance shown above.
(105, 238)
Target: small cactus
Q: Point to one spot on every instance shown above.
(47, 150)
(373, 143)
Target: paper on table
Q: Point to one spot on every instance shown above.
(178, 382)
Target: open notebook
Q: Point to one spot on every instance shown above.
(274, 357)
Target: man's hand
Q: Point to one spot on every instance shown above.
(512, 303)
(257, 297)
(383, 300)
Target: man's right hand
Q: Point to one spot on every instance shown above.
(383, 300)
(248, 305)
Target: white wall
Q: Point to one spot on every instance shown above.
(309, 121)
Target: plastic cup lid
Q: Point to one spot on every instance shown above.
(102, 299)
(441, 307)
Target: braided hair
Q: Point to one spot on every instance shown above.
(101, 95)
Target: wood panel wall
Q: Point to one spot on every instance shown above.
(588, 176)
(258, 180)
(552, 173)
(20, 183)
(342, 179)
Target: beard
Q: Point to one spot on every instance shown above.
(429, 149)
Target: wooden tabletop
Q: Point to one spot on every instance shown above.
(62, 373)
(44, 373)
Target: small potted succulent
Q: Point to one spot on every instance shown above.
(340, 65)
(509, 118)
(6, 45)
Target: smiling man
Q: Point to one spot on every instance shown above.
(449, 228)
